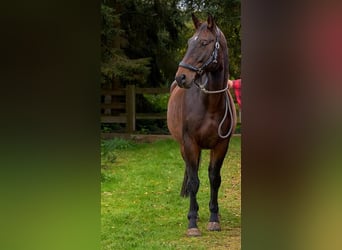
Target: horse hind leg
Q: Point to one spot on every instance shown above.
(215, 182)
(217, 156)
(184, 191)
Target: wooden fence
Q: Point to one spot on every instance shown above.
(119, 106)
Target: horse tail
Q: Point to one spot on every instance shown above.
(184, 192)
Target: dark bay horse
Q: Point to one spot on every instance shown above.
(201, 114)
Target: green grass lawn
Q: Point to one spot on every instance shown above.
(142, 208)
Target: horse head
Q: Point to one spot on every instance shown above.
(202, 54)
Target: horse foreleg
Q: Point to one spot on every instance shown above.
(192, 187)
(191, 157)
(216, 160)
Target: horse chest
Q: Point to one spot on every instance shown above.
(202, 129)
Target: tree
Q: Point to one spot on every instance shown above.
(141, 46)
(115, 64)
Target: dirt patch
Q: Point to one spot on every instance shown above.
(135, 137)
(138, 137)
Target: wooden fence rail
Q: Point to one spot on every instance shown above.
(127, 110)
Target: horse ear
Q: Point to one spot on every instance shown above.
(211, 22)
(197, 23)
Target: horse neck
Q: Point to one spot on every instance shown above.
(220, 76)
(218, 79)
(216, 82)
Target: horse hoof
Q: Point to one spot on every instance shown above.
(193, 232)
(214, 226)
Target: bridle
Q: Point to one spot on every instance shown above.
(211, 59)
(199, 71)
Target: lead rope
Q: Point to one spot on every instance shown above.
(224, 117)
(227, 107)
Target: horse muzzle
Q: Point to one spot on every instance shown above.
(180, 79)
(183, 81)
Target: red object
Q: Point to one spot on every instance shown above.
(237, 90)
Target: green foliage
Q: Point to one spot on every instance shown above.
(159, 102)
(110, 22)
(127, 70)
(116, 143)
(153, 30)
(115, 64)
(238, 128)
(107, 150)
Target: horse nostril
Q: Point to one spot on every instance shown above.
(180, 79)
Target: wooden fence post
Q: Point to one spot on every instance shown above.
(130, 108)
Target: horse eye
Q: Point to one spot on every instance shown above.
(204, 43)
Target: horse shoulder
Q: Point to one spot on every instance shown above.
(173, 86)
(175, 112)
